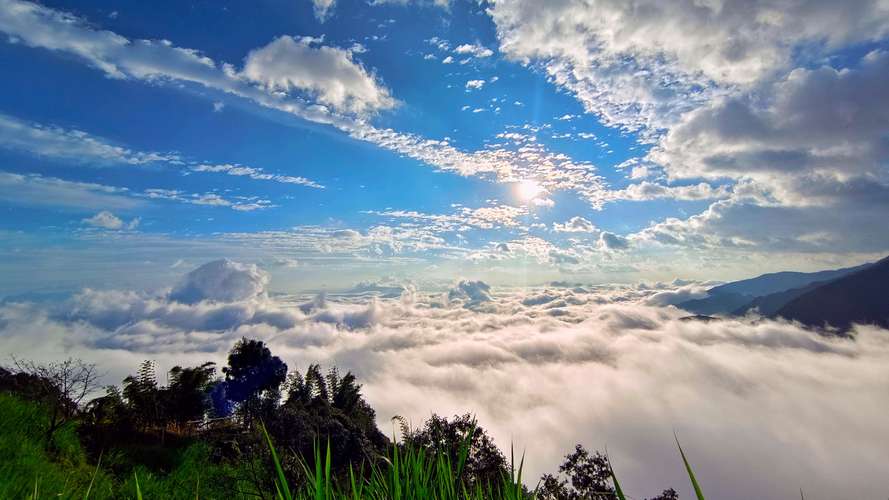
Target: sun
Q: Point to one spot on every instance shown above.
(528, 189)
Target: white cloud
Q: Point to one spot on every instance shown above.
(475, 84)
(255, 173)
(447, 60)
(646, 190)
(107, 220)
(575, 225)
(822, 125)
(328, 73)
(323, 8)
(238, 203)
(611, 241)
(436, 3)
(221, 281)
(72, 145)
(104, 219)
(81, 147)
(488, 217)
(470, 292)
(37, 190)
(475, 50)
(599, 52)
(543, 202)
(807, 158)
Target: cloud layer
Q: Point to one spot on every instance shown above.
(762, 407)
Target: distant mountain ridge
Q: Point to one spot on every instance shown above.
(738, 296)
(766, 284)
(861, 297)
(768, 305)
(833, 298)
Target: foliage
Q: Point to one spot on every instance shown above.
(485, 463)
(586, 476)
(28, 464)
(174, 442)
(330, 409)
(253, 377)
(60, 386)
(407, 472)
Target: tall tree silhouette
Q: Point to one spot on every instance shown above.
(253, 377)
(144, 396)
(187, 398)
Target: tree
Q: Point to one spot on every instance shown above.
(668, 494)
(143, 396)
(485, 464)
(322, 409)
(61, 386)
(586, 476)
(253, 377)
(188, 396)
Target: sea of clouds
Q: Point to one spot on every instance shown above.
(763, 408)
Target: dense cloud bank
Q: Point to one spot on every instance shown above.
(762, 407)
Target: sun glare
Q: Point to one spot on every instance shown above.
(528, 189)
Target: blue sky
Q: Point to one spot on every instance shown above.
(420, 139)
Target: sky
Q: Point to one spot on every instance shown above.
(475, 206)
(515, 141)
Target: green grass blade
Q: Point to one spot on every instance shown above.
(327, 487)
(691, 475)
(138, 489)
(93, 479)
(617, 489)
(285, 494)
(318, 467)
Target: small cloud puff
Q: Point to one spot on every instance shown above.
(471, 292)
(107, 220)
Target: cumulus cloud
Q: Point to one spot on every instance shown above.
(221, 281)
(542, 368)
(819, 136)
(575, 225)
(611, 241)
(329, 73)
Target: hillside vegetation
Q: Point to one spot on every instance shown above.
(255, 432)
